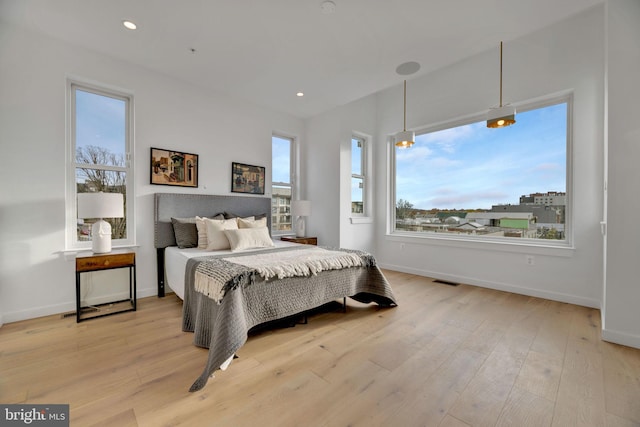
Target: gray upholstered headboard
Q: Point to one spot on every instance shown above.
(173, 205)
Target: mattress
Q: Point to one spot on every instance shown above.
(176, 263)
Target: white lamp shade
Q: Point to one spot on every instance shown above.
(301, 207)
(100, 205)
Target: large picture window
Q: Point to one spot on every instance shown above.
(464, 179)
(100, 159)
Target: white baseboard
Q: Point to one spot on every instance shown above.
(554, 296)
(621, 338)
(32, 313)
(104, 299)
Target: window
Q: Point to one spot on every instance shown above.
(465, 179)
(100, 159)
(358, 172)
(281, 183)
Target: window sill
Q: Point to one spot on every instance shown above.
(88, 249)
(71, 253)
(361, 220)
(528, 247)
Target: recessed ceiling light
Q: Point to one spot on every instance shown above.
(129, 25)
(300, 94)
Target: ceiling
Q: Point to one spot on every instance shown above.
(265, 51)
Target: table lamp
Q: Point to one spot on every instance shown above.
(301, 209)
(100, 205)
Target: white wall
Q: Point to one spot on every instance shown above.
(621, 292)
(35, 277)
(328, 174)
(320, 169)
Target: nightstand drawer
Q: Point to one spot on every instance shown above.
(303, 240)
(103, 262)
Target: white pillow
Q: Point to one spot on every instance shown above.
(216, 238)
(249, 238)
(202, 230)
(250, 222)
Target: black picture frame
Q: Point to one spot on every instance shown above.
(170, 167)
(247, 178)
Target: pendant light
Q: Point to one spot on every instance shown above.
(405, 138)
(504, 115)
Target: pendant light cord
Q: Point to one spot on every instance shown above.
(404, 126)
(500, 74)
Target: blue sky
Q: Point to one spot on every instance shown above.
(281, 159)
(100, 121)
(473, 167)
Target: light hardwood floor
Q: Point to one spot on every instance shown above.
(446, 356)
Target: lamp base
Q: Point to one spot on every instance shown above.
(300, 227)
(101, 237)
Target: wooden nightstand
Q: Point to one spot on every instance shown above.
(303, 240)
(86, 263)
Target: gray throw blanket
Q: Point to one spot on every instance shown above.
(250, 300)
(216, 275)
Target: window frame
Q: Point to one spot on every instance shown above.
(493, 242)
(73, 84)
(293, 164)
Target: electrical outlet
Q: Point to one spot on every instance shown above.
(529, 259)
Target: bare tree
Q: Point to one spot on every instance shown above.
(107, 181)
(403, 209)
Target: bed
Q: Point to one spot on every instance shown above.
(254, 291)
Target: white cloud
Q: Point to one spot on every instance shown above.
(413, 154)
(468, 200)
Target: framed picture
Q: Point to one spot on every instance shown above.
(247, 178)
(174, 168)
